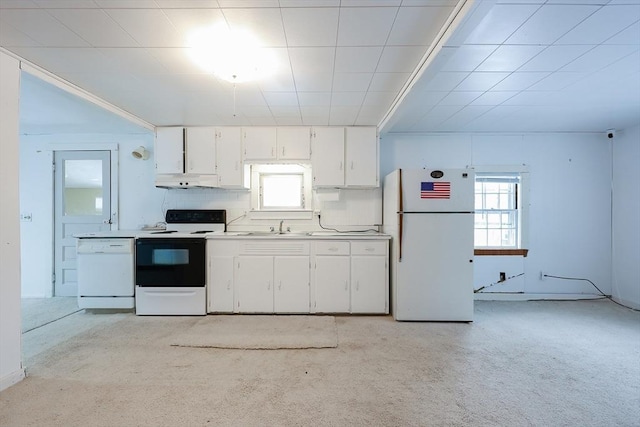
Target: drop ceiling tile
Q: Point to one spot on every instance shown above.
(432, 3)
(557, 81)
(629, 35)
(357, 59)
(66, 4)
(127, 4)
(57, 60)
(263, 23)
(94, 26)
(417, 26)
(309, 3)
(509, 57)
(188, 20)
(343, 116)
(550, 23)
(602, 25)
(202, 85)
(443, 81)
(519, 81)
(256, 111)
(279, 82)
(351, 82)
(347, 99)
(464, 116)
(248, 3)
(41, 27)
(11, 37)
(554, 57)
(481, 81)
(246, 97)
(460, 98)
(534, 98)
(18, 4)
(317, 111)
(436, 116)
(289, 121)
(311, 26)
(599, 57)
(191, 4)
(315, 99)
(365, 26)
(468, 57)
(378, 98)
(174, 60)
(493, 98)
(281, 98)
(285, 111)
(311, 60)
(313, 82)
(370, 3)
(500, 23)
(388, 82)
(132, 60)
(400, 59)
(149, 27)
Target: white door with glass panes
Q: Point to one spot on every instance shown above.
(230, 168)
(254, 284)
(291, 284)
(361, 159)
(82, 204)
(169, 150)
(201, 150)
(332, 276)
(294, 143)
(327, 156)
(259, 143)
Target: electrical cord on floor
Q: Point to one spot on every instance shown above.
(479, 290)
(602, 294)
(51, 321)
(345, 231)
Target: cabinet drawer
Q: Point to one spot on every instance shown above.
(369, 248)
(332, 248)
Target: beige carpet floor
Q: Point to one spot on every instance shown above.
(518, 364)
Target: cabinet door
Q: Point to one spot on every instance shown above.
(169, 150)
(294, 143)
(327, 156)
(369, 278)
(229, 157)
(220, 292)
(291, 284)
(361, 159)
(201, 150)
(332, 284)
(259, 143)
(254, 284)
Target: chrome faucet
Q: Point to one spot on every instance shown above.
(281, 226)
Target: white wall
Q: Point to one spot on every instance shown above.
(626, 217)
(570, 202)
(10, 324)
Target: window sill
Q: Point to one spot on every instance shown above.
(501, 252)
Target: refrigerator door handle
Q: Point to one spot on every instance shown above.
(400, 215)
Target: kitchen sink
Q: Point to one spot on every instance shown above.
(276, 234)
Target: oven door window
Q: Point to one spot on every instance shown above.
(170, 262)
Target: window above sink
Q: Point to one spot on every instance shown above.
(283, 190)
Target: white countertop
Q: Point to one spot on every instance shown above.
(312, 235)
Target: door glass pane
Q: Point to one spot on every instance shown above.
(83, 187)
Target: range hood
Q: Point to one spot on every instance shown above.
(186, 181)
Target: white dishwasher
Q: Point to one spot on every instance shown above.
(106, 273)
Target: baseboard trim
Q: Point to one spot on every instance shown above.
(505, 296)
(12, 378)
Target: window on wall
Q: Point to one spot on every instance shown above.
(498, 210)
(285, 187)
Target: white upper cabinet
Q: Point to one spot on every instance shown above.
(293, 143)
(229, 157)
(201, 150)
(327, 156)
(169, 150)
(345, 157)
(361, 159)
(259, 143)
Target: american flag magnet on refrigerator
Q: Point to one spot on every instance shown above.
(435, 190)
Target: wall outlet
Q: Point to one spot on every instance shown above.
(316, 212)
(543, 275)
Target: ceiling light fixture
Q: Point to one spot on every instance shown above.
(233, 55)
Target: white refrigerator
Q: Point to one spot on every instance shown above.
(429, 214)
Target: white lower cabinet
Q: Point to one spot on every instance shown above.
(331, 284)
(298, 276)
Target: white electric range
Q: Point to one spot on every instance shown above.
(171, 264)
